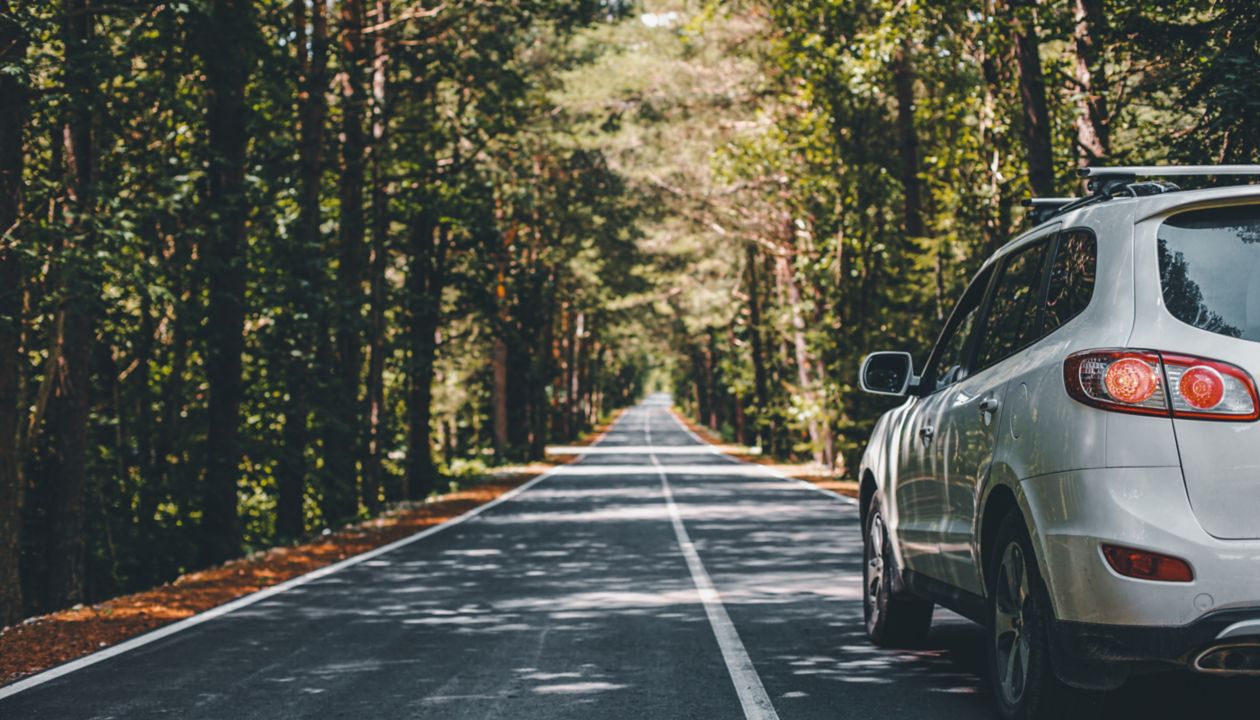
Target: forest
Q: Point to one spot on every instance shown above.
(268, 266)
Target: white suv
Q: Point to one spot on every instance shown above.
(1077, 467)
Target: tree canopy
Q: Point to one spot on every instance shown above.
(267, 265)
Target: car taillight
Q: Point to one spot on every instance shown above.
(1146, 565)
(1131, 380)
(1148, 382)
(1202, 387)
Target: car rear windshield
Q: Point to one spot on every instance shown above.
(1209, 267)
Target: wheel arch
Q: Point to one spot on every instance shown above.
(998, 503)
(1002, 495)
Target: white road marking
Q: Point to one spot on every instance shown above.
(752, 694)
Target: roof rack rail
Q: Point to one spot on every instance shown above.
(1137, 171)
(1106, 183)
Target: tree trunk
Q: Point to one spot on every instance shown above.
(737, 400)
(543, 367)
(424, 279)
(302, 324)
(13, 44)
(1093, 119)
(573, 421)
(343, 422)
(373, 470)
(499, 359)
(1036, 113)
(710, 384)
(908, 139)
(226, 37)
(499, 369)
(74, 332)
(756, 343)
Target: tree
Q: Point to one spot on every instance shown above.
(343, 418)
(225, 44)
(1032, 93)
(13, 44)
(73, 336)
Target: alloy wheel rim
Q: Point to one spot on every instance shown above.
(1011, 632)
(875, 567)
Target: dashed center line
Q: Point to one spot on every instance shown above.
(752, 694)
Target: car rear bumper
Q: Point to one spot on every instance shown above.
(1073, 513)
(1102, 656)
(1110, 626)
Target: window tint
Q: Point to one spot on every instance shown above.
(1012, 321)
(1071, 278)
(948, 360)
(1209, 267)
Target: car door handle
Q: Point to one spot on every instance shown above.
(988, 405)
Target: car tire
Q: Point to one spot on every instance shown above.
(1020, 619)
(892, 620)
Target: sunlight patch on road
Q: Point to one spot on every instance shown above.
(578, 688)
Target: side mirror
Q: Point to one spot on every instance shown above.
(888, 373)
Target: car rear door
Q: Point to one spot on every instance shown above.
(1011, 321)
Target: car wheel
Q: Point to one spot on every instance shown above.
(1018, 643)
(891, 620)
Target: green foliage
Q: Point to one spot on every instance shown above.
(567, 204)
(485, 211)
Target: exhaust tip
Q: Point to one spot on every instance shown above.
(1230, 660)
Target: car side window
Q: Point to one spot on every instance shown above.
(1013, 320)
(1071, 282)
(948, 364)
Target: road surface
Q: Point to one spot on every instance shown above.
(654, 578)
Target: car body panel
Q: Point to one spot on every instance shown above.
(963, 456)
(1075, 512)
(919, 494)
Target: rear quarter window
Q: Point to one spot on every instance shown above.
(1071, 284)
(1209, 269)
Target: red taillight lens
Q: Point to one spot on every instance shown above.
(1124, 380)
(1137, 381)
(1130, 380)
(1201, 387)
(1145, 565)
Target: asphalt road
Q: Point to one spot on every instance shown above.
(652, 579)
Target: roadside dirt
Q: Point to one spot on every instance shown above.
(809, 472)
(43, 642)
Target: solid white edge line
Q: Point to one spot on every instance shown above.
(772, 473)
(748, 687)
(247, 600)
